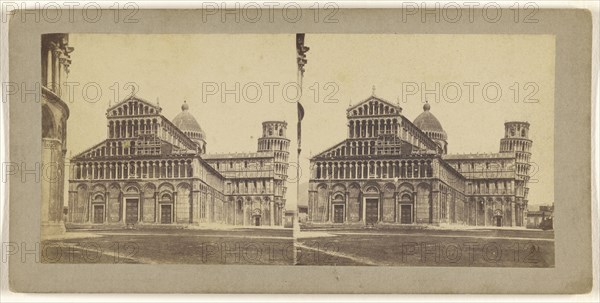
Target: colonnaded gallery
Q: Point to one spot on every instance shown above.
(390, 170)
(150, 170)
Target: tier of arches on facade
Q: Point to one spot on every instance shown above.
(492, 187)
(374, 169)
(487, 168)
(404, 129)
(122, 148)
(352, 148)
(238, 166)
(107, 170)
(360, 147)
(133, 128)
(133, 108)
(88, 198)
(254, 210)
(212, 207)
(241, 164)
(250, 186)
(135, 146)
(374, 107)
(253, 201)
(483, 210)
(454, 207)
(488, 176)
(101, 193)
(372, 128)
(241, 167)
(407, 169)
(371, 187)
(350, 199)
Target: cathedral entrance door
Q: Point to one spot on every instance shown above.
(371, 211)
(131, 211)
(257, 221)
(165, 214)
(338, 214)
(498, 217)
(98, 214)
(406, 214)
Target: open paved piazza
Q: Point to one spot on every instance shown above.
(172, 246)
(426, 247)
(323, 246)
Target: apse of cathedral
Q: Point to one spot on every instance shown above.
(390, 170)
(151, 170)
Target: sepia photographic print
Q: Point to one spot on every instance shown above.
(206, 185)
(349, 151)
(436, 162)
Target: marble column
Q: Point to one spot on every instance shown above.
(271, 213)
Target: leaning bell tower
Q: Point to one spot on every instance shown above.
(274, 139)
(516, 140)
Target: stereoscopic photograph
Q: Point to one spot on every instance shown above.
(436, 162)
(343, 151)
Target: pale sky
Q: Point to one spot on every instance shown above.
(174, 68)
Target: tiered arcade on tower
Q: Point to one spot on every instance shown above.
(516, 140)
(274, 139)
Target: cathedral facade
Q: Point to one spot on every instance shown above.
(151, 170)
(390, 170)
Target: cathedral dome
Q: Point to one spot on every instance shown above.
(432, 127)
(427, 122)
(186, 122)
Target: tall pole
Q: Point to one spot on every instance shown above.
(301, 50)
(296, 222)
